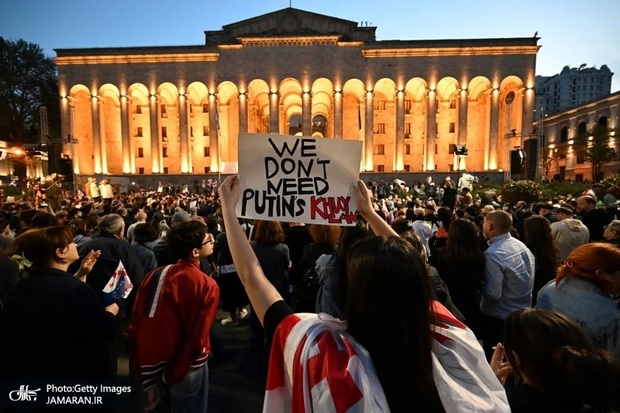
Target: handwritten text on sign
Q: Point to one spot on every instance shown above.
(297, 179)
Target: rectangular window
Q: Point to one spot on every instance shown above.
(165, 169)
(380, 168)
(137, 109)
(407, 130)
(139, 131)
(140, 152)
(141, 171)
(164, 113)
(436, 150)
(207, 151)
(191, 131)
(407, 106)
(452, 103)
(581, 158)
(407, 168)
(407, 149)
(380, 150)
(452, 127)
(207, 169)
(164, 152)
(380, 105)
(380, 128)
(205, 131)
(164, 132)
(205, 108)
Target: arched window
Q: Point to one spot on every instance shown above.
(602, 121)
(582, 128)
(294, 125)
(319, 123)
(564, 135)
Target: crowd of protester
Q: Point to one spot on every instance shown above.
(522, 298)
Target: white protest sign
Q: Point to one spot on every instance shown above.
(298, 179)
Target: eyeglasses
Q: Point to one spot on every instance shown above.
(207, 242)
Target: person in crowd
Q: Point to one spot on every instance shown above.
(325, 240)
(95, 194)
(169, 332)
(297, 237)
(552, 366)
(538, 239)
(332, 272)
(612, 232)
(144, 236)
(449, 196)
(78, 227)
(163, 253)
(568, 233)
(140, 219)
(114, 250)
(441, 228)
(546, 210)
(106, 191)
(465, 199)
(394, 356)
(234, 298)
(582, 290)
(461, 265)
(612, 197)
(53, 325)
(592, 217)
(6, 239)
(274, 258)
(509, 269)
(43, 220)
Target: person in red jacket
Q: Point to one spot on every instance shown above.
(172, 318)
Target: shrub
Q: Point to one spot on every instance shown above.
(522, 190)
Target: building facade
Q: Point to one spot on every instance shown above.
(171, 110)
(572, 87)
(562, 157)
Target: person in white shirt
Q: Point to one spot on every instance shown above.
(568, 233)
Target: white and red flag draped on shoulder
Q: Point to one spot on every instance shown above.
(119, 285)
(315, 366)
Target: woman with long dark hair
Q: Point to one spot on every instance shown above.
(555, 366)
(417, 357)
(537, 237)
(461, 266)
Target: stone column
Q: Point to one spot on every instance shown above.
(96, 135)
(431, 129)
(274, 116)
(369, 114)
(243, 112)
(399, 150)
(126, 150)
(155, 145)
(462, 132)
(214, 139)
(306, 114)
(338, 114)
(494, 130)
(224, 134)
(183, 135)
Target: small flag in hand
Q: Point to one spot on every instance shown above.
(118, 286)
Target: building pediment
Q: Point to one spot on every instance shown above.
(290, 22)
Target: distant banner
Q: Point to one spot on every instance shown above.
(298, 179)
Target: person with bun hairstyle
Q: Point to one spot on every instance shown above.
(582, 290)
(54, 325)
(555, 366)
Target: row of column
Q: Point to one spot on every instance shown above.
(128, 161)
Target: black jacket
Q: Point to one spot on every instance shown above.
(55, 327)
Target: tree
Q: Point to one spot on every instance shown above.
(551, 161)
(595, 148)
(28, 80)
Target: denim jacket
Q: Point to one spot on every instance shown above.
(588, 306)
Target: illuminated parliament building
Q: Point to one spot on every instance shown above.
(179, 109)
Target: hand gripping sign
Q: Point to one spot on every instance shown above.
(298, 179)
